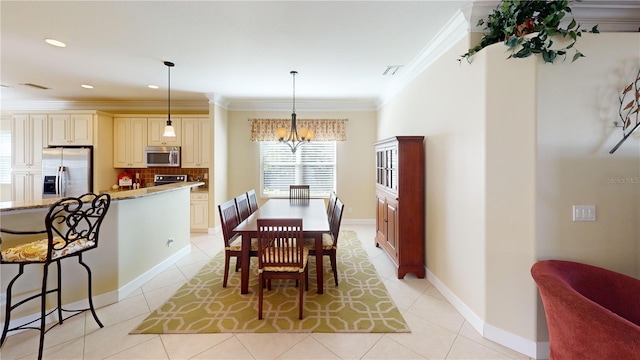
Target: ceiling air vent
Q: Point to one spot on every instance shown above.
(391, 69)
(36, 86)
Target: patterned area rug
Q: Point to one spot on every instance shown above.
(360, 303)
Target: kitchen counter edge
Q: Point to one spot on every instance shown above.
(115, 195)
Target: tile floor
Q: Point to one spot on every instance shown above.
(438, 331)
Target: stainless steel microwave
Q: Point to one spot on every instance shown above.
(162, 156)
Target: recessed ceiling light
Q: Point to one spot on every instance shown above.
(154, 87)
(86, 86)
(55, 42)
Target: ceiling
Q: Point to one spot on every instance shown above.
(229, 50)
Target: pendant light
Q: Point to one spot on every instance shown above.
(295, 137)
(169, 131)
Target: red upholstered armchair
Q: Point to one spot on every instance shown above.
(592, 313)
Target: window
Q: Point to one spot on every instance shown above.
(313, 164)
(5, 156)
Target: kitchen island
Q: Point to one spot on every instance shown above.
(145, 231)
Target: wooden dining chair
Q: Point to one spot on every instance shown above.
(242, 205)
(299, 192)
(331, 205)
(329, 240)
(72, 226)
(253, 200)
(229, 219)
(281, 255)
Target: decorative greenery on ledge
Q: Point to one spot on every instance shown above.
(512, 22)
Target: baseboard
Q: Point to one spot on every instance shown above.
(474, 320)
(358, 221)
(536, 350)
(151, 273)
(108, 298)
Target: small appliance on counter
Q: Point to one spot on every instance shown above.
(160, 179)
(125, 180)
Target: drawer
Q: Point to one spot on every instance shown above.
(203, 196)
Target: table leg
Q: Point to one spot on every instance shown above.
(319, 270)
(246, 262)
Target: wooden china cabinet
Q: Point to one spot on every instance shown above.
(400, 213)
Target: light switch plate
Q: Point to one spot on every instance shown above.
(584, 213)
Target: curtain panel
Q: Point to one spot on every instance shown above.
(325, 129)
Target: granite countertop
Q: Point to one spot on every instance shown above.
(115, 195)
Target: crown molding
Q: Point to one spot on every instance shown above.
(454, 30)
(304, 105)
(127, 105)
(218, 100)
(610, 16)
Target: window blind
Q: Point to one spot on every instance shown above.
(313, 164)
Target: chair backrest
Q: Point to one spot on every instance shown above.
(280, 243)
(228, 220)
(331, 205)
(591, 312)
(74, 223)
(242, 204)
(335, 221)
(253, 200)
(299, 192)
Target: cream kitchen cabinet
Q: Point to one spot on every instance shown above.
(70, 129)
(28, 139)
(196, 143)
(199, 212)
(129, 140)
(26, 185)
(155, 131)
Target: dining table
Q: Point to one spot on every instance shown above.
(314, 223)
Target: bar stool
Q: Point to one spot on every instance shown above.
(72, 227)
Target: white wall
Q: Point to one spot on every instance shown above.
(511, 145)
(578, 104)
(220, 167)
(355, 157)
(445, 104)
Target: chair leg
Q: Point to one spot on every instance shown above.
(300, 301)
(43, 309)
(260, 295)
(334, 266)
(59, 292)
(89, 291)
(7, 310)
(226, 269)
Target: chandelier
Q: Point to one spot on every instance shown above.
(169, 131)
(295, 137)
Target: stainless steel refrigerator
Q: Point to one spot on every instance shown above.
(66, 171)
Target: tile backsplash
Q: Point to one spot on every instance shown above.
(147, 174)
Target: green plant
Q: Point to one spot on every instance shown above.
(512, 20)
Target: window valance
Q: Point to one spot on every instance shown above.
(324, 129)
